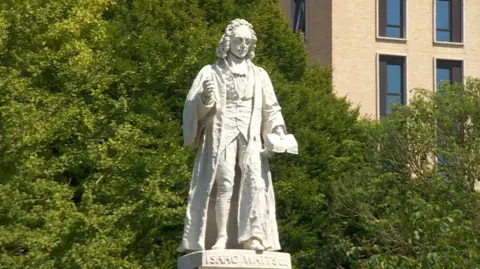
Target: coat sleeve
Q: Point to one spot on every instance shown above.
(194, 111)
(271, 111)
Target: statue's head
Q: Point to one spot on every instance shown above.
(239, 39)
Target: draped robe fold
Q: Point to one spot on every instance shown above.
(253, 202)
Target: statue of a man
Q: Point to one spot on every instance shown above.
(230, 109)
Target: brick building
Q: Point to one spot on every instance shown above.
(380, 49)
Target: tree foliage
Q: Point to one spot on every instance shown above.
(92, 170)
(93, 173)
(410, 204)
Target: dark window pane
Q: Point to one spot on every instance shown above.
(394, 78)
(383, 85)
(394, 12)
(299, 16)
(391, 18)
(443, 75)
(457, 73)
(392, 82)
(393, 99)
(394, 32)
(382, 17)
(450, 71)
(456, 20)
(443, 15)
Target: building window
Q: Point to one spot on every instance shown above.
(448, 20)
(299, 15)
(449, 71)
(392, 83)
(392, 18)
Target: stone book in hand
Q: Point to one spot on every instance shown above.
(280, 145)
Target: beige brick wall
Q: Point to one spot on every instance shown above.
(355, 48)
(354, 52)
(343, 35)
(319, 31)
(287, 9)
(319, 28)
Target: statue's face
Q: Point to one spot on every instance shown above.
(240, 41)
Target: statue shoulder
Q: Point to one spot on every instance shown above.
(259, 70)
(206, 69)
(262, 72)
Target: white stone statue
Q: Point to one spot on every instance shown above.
(229, 111)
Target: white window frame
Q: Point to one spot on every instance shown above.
(448, 43)
(464, 81)
(405, 27)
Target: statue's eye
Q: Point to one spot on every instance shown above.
(246, 41)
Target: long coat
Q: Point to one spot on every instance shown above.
(253, 202)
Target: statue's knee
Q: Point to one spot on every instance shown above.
(225, 188)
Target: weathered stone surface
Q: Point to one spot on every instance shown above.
(229, 111)
(235, 258)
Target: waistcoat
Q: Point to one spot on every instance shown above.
(239, 105)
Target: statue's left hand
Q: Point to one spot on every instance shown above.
(279, 131)
(267, 153)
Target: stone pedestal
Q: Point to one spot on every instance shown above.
(235, 258)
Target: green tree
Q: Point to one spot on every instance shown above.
(92, 171)
(332, 142)
(414, 206)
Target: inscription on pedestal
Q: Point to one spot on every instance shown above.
(235, 258)
(246, 259)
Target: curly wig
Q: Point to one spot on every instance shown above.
(224, 43)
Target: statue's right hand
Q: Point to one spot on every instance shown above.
(207, 93)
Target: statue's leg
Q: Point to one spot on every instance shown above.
(254, 242)
(225, 180)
